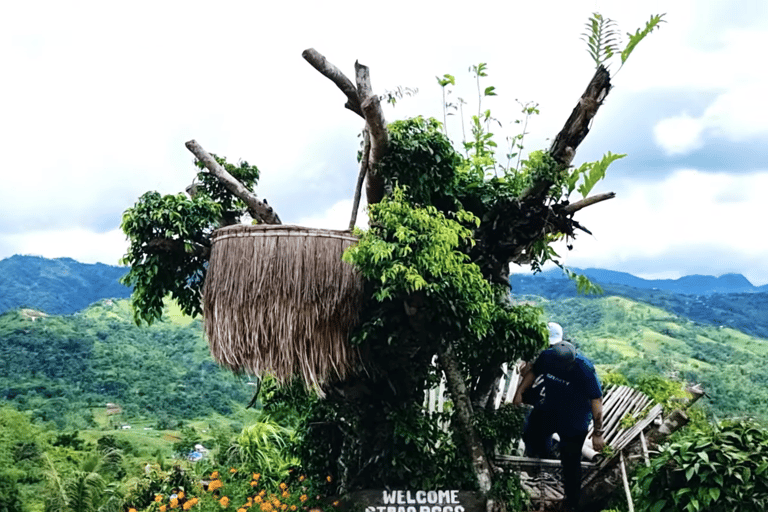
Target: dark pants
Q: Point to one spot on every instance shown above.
(538, 439)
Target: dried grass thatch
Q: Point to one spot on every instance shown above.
(279, 300)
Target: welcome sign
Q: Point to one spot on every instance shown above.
(416, 501)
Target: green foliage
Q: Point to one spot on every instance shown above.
(719, 470)
(174, 268)
(169, 238)
(602, 38)
(63, 369)
(263, 447)
(590, 173)
(421, 160)
(500, 429)
(663, 391)
(213, 189)
(639, 35)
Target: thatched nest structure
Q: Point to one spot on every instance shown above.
(279, 300)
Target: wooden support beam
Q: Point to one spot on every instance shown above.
(626, 483)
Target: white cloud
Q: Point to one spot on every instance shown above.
(81, 245)
(337, 217)
(679, 135)
(675, 219)
(739, 114)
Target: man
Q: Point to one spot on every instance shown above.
(572, 397)
(535, 392)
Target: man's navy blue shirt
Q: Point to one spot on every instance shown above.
(568, 392)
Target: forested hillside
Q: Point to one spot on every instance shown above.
(57, 286)
(639, 339)
(62, 367)
(729, 301)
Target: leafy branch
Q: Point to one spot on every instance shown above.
(602, 37)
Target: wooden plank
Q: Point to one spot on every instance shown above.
(637, 428)
(624, 479)
(615, 411)
(644, 445)
(518, 462)
(618, 431)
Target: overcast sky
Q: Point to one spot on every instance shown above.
(98, 98)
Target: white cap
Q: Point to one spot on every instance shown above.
(555, 333)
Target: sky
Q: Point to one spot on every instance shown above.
(98, 98)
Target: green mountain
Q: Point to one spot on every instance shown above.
(57, 286)
(728, 301)
(637, 338)
(63, 368)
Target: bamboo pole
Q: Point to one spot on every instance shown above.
(626, 483)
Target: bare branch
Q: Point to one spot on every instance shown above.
(320, 63)
(377, 126)
(364, 161)
(589, 201)
(257, 208)
(577, 126)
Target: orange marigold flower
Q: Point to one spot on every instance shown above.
(181, 495)
(215, 484)
(174, 503)
(188, 505)
(162, 508)
(254, 483)
(285, 494)
(301, 478)
(131, 509)
(284, 506)
(257, 499)
(224, 502)
(158, 498)
(266, 506)
(233, 470)
(303, 497)
(283, 485)
(329, 478)
(263, 492)
(256, 476)
(241, 509)
(335, 503)
(293, 507)
(276, 502)
(215, 475)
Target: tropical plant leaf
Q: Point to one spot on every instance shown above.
(639, 35)
(602, 38)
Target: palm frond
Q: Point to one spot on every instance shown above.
(639, 35)
(602, 38)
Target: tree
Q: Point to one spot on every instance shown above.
(445, 226)
(86, 489)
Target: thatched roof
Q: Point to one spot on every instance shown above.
(279, 300)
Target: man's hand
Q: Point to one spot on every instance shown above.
(517, 400)
(598, 443)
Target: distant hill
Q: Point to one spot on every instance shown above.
(729, 300)
(62, 368)
(687, 285)
(639, 339)
(57, 286)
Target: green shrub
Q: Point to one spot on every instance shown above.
(720, 470)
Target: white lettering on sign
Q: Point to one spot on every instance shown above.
(429, 501)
